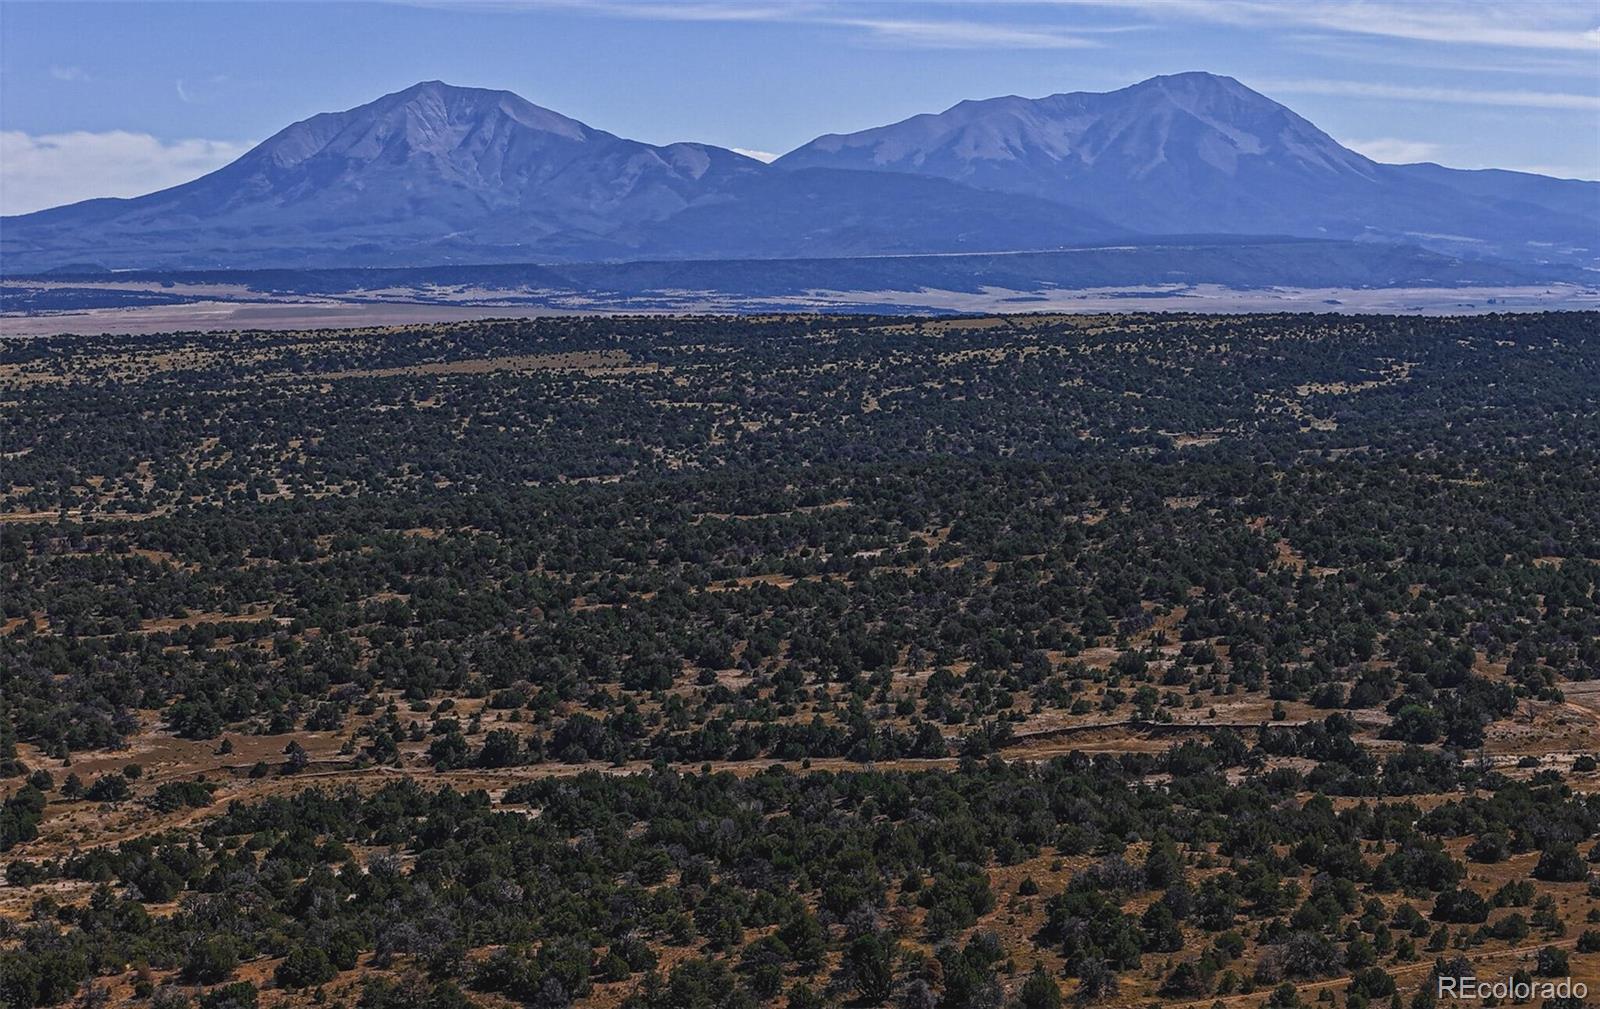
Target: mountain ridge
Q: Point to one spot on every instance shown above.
(1204, 153)
(430, 161)
(437, 174)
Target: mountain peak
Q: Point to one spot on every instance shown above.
(440, 86)
(1197, 88)
(438, 172)
(1192, 79)
(443, 90)
(434, 165)
(1174, 133)
(456, 96)
(442, 105)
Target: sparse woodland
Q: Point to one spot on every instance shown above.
(693, 662)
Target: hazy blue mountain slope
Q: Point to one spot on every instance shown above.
(1197, 152)
(437, 174)
(433, 172)
(827, 212)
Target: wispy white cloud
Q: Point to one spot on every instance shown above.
(1447, 95)
(1548, 24)
(194, 93)
(962, 34)
(766, 157)
(1467, 60)
(708, 10)
(1394, 151)
(1552, 25)
(879, 22)
(51, 169)
(68, 73)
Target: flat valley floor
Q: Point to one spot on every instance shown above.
(225, 307)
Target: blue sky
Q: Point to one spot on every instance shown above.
(122, 98)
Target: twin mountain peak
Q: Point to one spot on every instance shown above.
(442, 174)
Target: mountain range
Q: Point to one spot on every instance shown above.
(437, 174)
